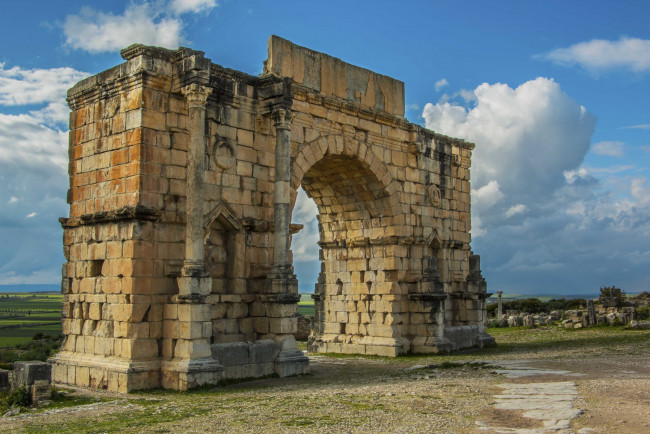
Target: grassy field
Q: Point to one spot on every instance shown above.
(22, 315)
(306, 305)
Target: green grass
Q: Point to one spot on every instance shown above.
(306, 305)
(6, 342)
(24, 315)
(552, 341)
(39, 349)
(306, 310)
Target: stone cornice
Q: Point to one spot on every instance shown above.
(135, 50)
(138, 212)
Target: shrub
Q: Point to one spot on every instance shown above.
(534, 305)
(17, 398)
(643, 313)
(612, 292)
(35, 350)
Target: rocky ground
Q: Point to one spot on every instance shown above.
(536, 380)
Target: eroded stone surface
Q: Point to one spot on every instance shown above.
(551, 403)
(183, 177)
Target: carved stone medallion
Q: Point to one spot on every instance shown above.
(434, 195)
(224, 155)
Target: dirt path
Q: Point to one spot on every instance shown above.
(607, 392)
(601, 395)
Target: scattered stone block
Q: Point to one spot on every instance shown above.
(28, 373)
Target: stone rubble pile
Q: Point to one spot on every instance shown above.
(575, 319)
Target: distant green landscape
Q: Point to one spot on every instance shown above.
(23, 315)
(306, 305)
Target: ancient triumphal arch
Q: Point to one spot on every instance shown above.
(183, 175)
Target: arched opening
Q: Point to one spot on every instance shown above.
(357, 288)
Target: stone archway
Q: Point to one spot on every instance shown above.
(358, 296)
(196, 282)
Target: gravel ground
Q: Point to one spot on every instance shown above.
(408, 394)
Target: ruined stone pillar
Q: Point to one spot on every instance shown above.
(195, 280)
(281, 302)
(282, 198)
(192, 363)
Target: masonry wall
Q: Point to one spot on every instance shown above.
(390, 195)
(397, 275)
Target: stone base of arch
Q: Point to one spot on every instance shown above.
(454, 338)
(368, 345)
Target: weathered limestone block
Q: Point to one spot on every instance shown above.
(183, 178)
(28, 373)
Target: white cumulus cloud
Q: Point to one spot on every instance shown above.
(600, 54)
(526, 138)
(572, 176)
(97, 32)
(20, 86)
(304, 243)
(487, 196)
(33, 171)
(640, 191)
(539, 215)
(514, 210)
(150, 23)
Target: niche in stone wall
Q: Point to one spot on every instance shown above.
(223, 250)
(434, 263)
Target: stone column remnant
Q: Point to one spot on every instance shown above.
(192, 364)
(195, 280)
(282, 196)
(591, 313)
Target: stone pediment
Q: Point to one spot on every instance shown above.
(224, 215)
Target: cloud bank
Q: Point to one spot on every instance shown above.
(538, 215)
(526, 139)
(149, 23)
(33, 172)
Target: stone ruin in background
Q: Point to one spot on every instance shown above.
(183, 177)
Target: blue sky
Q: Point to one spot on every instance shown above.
(553, 93)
